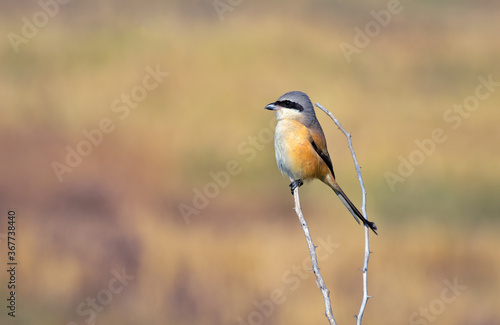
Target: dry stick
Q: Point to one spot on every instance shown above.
(359, 317)
(314, 260)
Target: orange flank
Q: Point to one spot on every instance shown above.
(304, 159)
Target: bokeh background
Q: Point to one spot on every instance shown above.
(237, 256)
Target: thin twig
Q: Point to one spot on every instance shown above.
(361, 312)
(314, 260)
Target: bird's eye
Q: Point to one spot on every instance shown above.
(289, 104)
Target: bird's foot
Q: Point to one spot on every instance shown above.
(296, 183)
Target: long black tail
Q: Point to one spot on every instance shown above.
(354, 211)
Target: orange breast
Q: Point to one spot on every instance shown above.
(299, 157)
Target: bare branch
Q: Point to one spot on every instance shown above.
(314, 260)
(364, 300)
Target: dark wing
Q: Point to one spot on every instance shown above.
(323, 154)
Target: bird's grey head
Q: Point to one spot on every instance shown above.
(294, 105)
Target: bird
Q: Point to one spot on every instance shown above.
(300, 148)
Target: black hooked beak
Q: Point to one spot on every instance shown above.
(271, 107)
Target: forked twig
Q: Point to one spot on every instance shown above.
(364, 300)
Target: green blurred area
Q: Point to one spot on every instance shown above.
(153, 194)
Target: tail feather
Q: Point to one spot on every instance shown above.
(346, 202)
(350, 206)
(355, 212)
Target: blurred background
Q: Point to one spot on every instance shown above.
(138, 157)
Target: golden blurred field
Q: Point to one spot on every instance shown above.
(240, 258)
